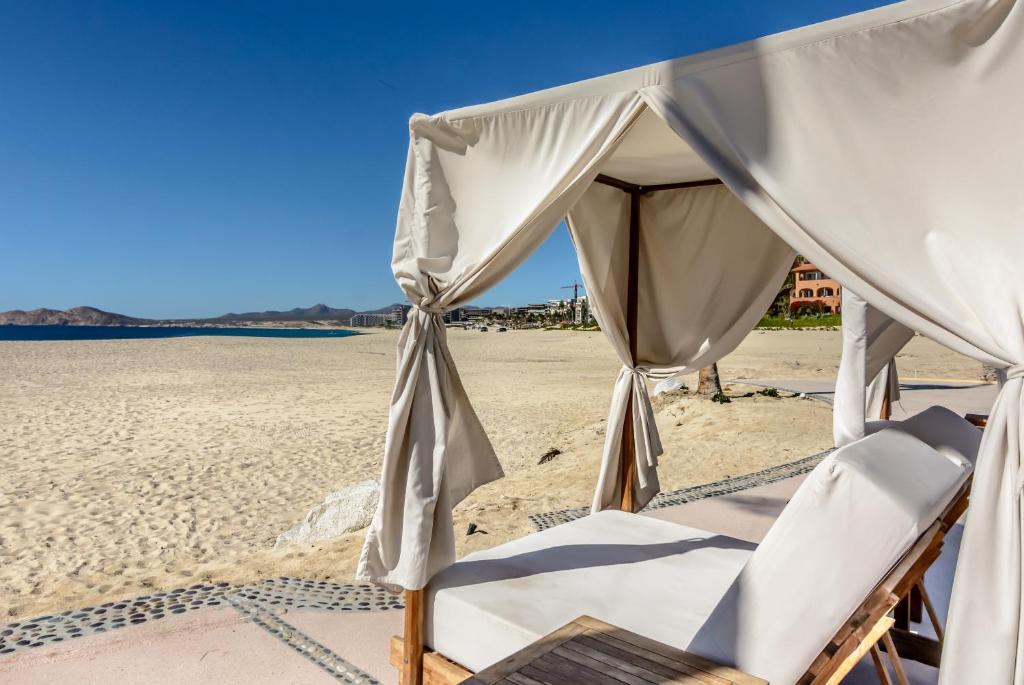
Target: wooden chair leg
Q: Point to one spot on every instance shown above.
(897, 665)
(901, 613)
(883, 674)
(916, 612)
(930, 608)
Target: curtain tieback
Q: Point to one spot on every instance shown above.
(429, 309)
(1011, 373)
(645, 412)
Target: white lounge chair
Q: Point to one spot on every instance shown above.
(801, 607)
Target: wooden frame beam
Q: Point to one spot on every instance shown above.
(682, 184)
(624, 186)
(633, 188)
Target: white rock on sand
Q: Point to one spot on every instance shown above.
(344, 511)
(669, 385)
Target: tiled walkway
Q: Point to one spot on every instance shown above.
(295, 631)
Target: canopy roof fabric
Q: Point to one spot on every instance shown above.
(885, 146)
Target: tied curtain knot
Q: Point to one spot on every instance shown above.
(629, 399)
(1011, 373)
(431, 309)
(645, 431)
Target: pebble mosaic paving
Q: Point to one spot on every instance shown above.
(267, 596)
(697, 492)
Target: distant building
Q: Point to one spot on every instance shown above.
(394, 318)
(476, 314)
(536, 309)
(582, 313)
(398, 315)
(555, 306)
(454, 315)
(811, 286)
(368, 320)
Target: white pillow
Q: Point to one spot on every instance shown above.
(950, 434)
(847, 525)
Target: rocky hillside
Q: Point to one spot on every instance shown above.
(76, 316)
(90, 316)
(318, 312)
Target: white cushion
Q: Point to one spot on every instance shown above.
(950, 434)
(652, 577)
(853, 518)
(872, 427)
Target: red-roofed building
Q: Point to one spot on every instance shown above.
(811, 286)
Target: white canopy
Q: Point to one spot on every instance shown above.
(885, 146)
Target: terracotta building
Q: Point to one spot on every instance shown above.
(810, 286)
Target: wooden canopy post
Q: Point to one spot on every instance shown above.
(412, 652)
(627, 458)
(887, 401)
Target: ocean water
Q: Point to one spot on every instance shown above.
(136, 332)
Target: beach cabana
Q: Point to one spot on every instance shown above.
(885, 146)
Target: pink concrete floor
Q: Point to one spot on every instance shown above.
(204, 646)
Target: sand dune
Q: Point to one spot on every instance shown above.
(130, 466)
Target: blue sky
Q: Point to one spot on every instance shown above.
(174, 159)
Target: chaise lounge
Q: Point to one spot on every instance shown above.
(803, 606)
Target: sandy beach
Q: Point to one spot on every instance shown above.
(136, 465)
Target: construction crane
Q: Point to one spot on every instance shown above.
(575, 287)
(576, 296)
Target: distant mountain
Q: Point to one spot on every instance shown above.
(77, 316)
(318, 312)
(90, 316)
(383, 310)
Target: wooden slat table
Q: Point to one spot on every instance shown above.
(593, 652)
(979, 420)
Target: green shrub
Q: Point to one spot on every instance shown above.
(823, 321)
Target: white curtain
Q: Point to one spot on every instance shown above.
(692, 310)
(465, 221)
(892, 157)
(866, 370)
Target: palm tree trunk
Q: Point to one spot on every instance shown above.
(709, 384)
(989, 373)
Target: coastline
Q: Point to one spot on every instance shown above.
(94, 332)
